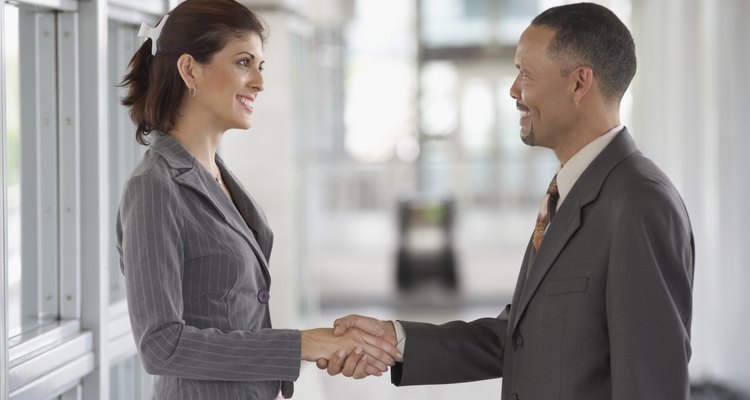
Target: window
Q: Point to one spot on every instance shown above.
(128, 380)
(467, 23)
(47, 352)
(64, 149)
(124, 152)
(32, 156)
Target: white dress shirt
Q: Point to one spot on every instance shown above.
(567, 176)
(572, 170)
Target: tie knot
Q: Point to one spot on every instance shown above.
(552, 189)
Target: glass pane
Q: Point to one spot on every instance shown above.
(512, 18)
(72, 394)
(123, 150)
(455, 22)
(13, 166)
(376, 61)
(474, 22)
(32, 168)
(128, 381)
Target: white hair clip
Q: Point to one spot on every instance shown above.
(152, 33)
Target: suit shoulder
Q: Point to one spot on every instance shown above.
(637, 175)
(639, 185)
(151, 179)
(151, 168)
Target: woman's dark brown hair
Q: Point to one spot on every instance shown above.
(200, 28)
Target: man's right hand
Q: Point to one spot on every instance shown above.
(353, 366)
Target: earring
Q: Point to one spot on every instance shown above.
(191, 91)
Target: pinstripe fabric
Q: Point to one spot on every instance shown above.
(194, 270)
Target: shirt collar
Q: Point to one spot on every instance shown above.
(569, 173)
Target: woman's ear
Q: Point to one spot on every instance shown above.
(189, 70)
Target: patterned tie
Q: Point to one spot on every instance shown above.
(546, 212)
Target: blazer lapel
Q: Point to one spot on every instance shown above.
(249, 210)
(195, 177)
(567, 220)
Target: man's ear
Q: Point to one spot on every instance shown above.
(189, 70)
(583, 79)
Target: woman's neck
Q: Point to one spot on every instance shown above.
(199, 139)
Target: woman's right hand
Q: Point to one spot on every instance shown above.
(321, 343)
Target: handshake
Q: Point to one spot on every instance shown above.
(356, 347)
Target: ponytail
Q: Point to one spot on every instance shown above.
(137, 82)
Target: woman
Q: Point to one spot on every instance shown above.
(193, 245)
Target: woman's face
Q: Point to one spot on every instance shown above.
(229, 84)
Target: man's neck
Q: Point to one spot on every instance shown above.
(583, 135)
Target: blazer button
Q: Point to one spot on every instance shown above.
(264, 295)
(519, 341)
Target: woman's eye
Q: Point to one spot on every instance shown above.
(244, 63)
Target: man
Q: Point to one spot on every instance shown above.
(602, 307)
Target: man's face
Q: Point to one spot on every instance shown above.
(543, 95)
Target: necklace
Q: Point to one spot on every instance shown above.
(217, 177)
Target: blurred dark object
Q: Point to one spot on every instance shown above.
(715, 391)
(426, 242)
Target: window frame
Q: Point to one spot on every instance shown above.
(51, 359)
(39, 136)
(3, 218)
(71, 357)
(58, 5)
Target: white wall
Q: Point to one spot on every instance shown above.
(690, 94)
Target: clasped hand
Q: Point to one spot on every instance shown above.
(379, 351)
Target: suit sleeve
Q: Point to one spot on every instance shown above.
(454, 352)
(151, 246)
(649, 297)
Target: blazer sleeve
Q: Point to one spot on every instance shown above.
(454, 352)
(151, 246)
(649, 297)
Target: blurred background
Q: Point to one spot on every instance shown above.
(385, 153)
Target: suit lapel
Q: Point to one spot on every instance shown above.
(520, 284)
(251, 213)
(567, 221)
(195, 177)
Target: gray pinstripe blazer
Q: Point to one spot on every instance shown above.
(196, 272)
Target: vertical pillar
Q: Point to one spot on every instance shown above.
(689, 115)
(3, 221)
(731, 79)
(95, 224)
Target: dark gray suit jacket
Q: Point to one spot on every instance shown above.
(198, 283)
(605, 312)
